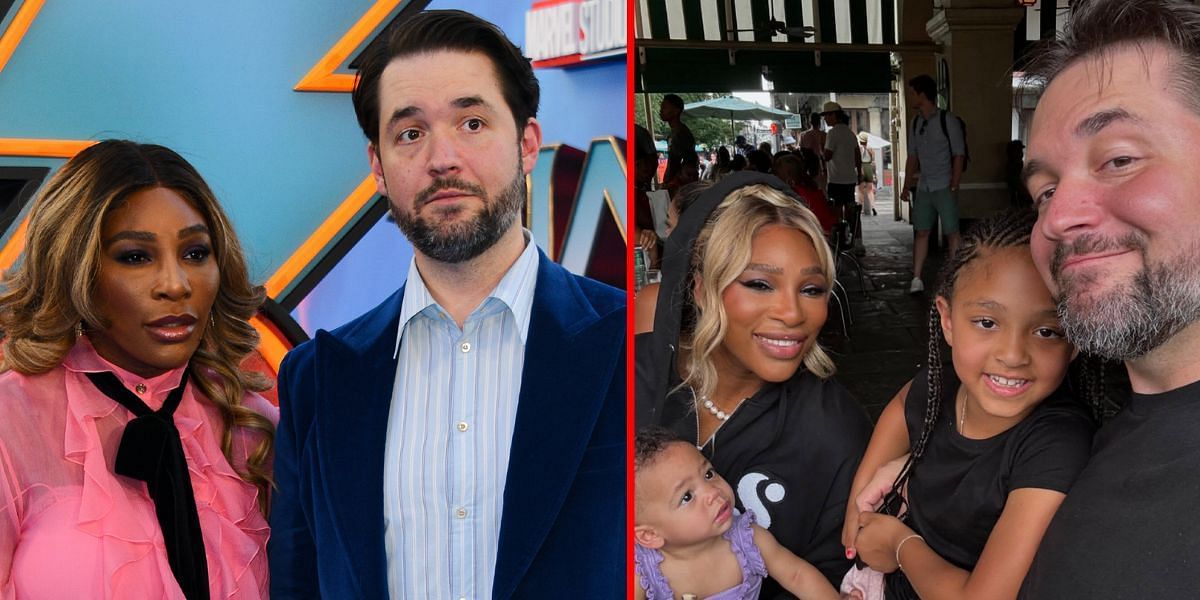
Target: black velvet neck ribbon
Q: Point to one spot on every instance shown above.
(150, 451)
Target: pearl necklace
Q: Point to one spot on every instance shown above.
(715, 411)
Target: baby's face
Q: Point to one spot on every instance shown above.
(682, 498)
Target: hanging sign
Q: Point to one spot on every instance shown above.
(566, 33)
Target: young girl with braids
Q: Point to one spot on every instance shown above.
(994, 443)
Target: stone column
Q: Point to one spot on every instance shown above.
(911, 17)
(875, 118)
(976, 36)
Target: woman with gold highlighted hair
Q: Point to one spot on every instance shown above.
(733, 363)
(133, 447)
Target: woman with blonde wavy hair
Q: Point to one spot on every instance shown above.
(133, 447)
(733, 363)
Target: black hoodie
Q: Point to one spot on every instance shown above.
(790, 451)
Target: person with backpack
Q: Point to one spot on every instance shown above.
(937, 155)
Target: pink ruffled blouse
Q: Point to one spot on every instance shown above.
(70, 528)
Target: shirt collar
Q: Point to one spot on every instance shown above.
(83, 358)
(515, 290)
(936, 111)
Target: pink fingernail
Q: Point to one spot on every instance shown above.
(849, 553)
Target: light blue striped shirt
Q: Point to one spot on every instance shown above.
(449, 431)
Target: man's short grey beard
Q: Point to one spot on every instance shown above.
(460, 242)
(1134, 319)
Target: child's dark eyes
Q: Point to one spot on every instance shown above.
(709, 474)
(984, 323)
(687, 497)
(1048, 333)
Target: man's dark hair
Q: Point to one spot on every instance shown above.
(814, 119)
(673, 100)
(435, 30)
(925, 86)
(1097, 27)
(759, 160)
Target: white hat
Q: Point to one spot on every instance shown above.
(830, 107)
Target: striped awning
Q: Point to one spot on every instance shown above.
(834, 21)
(731, 45)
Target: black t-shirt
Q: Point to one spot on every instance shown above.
(790, 453)
(681, 150)
(958, 490)
(1130, 527)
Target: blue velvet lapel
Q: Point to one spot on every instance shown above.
(357, 376)
(562, 392)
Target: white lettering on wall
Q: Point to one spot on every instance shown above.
(587, 28)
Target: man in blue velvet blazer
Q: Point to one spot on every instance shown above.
(369, 463)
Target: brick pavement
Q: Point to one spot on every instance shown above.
(887, 340)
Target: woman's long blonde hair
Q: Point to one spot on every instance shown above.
(52, 287)
(721, 254)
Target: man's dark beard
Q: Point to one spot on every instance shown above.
(462, 241)
(1133, 319)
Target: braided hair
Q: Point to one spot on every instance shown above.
(1007, 229)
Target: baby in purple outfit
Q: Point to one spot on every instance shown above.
(690, 542)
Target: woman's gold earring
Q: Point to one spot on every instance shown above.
(212, 321)
(78, 328)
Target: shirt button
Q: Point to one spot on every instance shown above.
(461, 513)
(465, 347)
(140, 388)
(462, 426)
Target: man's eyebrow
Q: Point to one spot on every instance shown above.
(1031, 168)
(1092, 125)
(402, 113)
(1097, 122)
(463, 102)
(469, 101)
